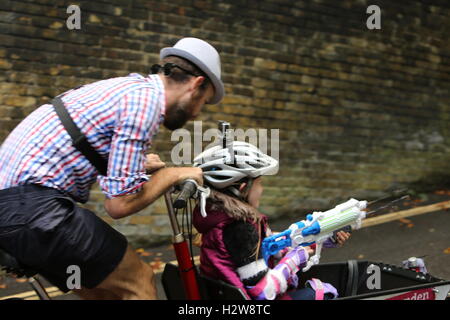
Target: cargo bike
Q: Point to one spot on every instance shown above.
(184, 281)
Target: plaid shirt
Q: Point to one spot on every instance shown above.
(119, 117)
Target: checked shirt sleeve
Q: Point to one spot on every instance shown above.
(138, 120)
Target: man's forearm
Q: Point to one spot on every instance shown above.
(159, 183)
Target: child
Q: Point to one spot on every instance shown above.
(233, 229)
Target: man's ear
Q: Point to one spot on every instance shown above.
(242, 186)
(197, 82)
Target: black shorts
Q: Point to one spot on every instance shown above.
(48, 232)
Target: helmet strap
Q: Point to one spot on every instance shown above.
(233, 191)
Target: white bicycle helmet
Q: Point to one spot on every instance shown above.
(221, 171)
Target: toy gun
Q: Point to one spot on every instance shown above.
(317, 228)
(320, 226)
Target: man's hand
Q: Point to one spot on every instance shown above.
(185, 173)
(153, 163)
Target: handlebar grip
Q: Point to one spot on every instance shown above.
(188, 189)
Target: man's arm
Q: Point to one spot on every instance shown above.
(127, 186)
(122, 206)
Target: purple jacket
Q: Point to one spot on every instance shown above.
(215, 261)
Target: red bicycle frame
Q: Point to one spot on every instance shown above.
(183, 255)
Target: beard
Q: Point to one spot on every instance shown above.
(176, 116)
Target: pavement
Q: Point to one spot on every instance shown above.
(426, 235)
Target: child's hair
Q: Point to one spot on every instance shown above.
(235, 208)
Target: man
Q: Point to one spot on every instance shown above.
(42, 174)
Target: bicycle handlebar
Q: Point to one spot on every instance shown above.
(188, 189)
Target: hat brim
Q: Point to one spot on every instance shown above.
(219, 89)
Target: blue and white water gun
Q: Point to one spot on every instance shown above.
(317, 228)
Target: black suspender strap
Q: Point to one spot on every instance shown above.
(79, 140)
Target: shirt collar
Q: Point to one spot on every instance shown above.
(156, 80)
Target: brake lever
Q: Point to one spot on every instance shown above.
(204, 194)
(201, 193)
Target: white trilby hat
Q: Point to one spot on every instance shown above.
(204, 56)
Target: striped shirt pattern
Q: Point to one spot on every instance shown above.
(119, 117)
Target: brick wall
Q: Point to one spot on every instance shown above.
(359, 111)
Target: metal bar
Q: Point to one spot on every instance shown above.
(38, 288)
(172, 217)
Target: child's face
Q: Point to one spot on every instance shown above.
(255, 192)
